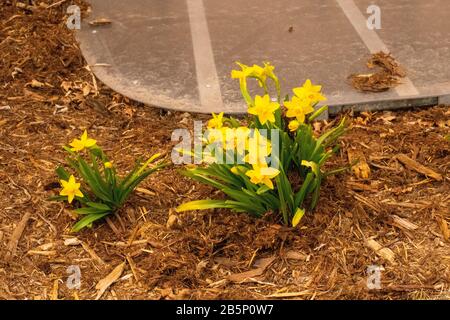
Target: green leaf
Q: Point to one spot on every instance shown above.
(263, 189)
(233, 122)
(98, 205)
(244, 198)
(57, 198)
(90, 210)
(91, 180)
(300, 196)
(317, 113)
(88, 220)
(62, 173)
(69, 150)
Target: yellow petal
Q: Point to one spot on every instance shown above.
(235, 74)
(77, 145)
(301, 117)
(268, 183)
(270, 172)
(274, 106)
(293, 125)
(84, 136)
(252, 110)
(78, 193)
(70, 197)
(90, 142)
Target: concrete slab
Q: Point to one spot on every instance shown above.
(178, 54)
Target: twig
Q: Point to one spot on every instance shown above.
(15, 237)
(56, 4)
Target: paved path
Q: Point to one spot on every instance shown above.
(178, 54)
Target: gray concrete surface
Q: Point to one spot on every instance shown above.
(178, 54)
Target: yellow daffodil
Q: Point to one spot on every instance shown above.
(293, 125)
(298, 108)
(108, 165)
(254, 71)
(70, 189)
(261, 174)
(228, 135)
(264, 109)
(228, 138)
(314, 166)
(242, 74)
(260, 74)
(259, 147)
(309, 92)
(241, 139)
(216, 136)
(268, 70)
(83, 142)
(216, 122)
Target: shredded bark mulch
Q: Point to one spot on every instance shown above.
(388, 74)
(392, 212)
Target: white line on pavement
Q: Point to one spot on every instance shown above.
(373, 41)
(207, 79)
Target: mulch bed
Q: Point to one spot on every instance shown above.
(396, 218)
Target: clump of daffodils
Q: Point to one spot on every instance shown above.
(100, 191)
(254, 163)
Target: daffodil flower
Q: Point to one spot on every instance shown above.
(241, 140)
(309, 92)
(259, 147)
(264, 109)
(70, 189)
(261, 174)
(314, 166)
(108, 165)
(259, 73)
(83, 142)
(216, 122)
(268, 70)
(298, 108)
(293, 125)
(242, 74)
(215, 136)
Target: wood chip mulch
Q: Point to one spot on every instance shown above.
(392, 212)
(387, 74)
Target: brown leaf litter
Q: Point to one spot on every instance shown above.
(400, 207)
(387, 75)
